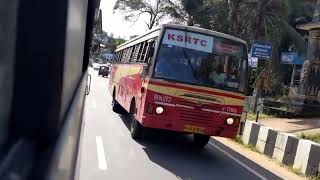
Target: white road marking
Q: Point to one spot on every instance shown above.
(100, 152)
(239, 162)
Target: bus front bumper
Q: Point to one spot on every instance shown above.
(214, 129)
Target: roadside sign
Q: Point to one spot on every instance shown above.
(263, 81)
(291, 58)
(253, 62)
(262, 50)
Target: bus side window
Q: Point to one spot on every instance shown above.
(125, 56)
(140, 57)
(148, 55)
(136, 53)
(128, 55)
(144, 51)
(150, 51)
(132, 53)
(118, 56)
(127, 60)
(121, 55)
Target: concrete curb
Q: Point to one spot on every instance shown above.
(303, 155)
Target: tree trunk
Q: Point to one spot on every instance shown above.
(258, 20)
(234, 16)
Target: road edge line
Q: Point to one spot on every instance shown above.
(238, 161)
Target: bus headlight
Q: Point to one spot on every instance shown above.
(159, 110)
(230, 121)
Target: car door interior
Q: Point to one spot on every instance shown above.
(43, 69)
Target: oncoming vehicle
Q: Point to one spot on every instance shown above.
(103, 71)
(181, 78)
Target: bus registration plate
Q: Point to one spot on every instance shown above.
(194, 129)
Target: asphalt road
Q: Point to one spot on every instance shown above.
(108, 152)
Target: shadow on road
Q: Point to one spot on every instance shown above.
(175, 153)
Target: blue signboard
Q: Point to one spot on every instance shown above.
(261, 50)
(291, 58)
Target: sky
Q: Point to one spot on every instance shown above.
(114, 23)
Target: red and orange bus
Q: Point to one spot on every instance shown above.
(183, 79)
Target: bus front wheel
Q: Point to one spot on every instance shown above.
(200, 140)
(136, 129)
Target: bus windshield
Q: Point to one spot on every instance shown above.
(201, 60)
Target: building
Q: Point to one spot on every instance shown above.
(305, 95)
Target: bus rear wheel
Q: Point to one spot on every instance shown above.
(136, 129)
(200, 140)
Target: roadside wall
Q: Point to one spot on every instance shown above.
(303, 155)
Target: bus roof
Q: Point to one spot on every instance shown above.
(150, 34)
(153, 33)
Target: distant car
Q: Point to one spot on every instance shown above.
(103, 71)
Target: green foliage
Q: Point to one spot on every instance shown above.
(300, 9)
(251, 147)
(266, 20)
(294, 170)
(252, 116)
(311, 137)
(238, 139)
(114, 42)
(315, 178)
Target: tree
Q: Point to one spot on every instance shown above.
(113, 43)
(265, 20)
(156, 10)
(191, 9)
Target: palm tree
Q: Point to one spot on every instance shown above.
(270, 23)
(265, 20)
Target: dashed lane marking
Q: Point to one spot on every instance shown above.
(101, 156)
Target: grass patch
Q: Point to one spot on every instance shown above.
(315, 178)
(252, 116)
(238, 139)
(312, 137)
(252, 147)
(294, 170)
(298, 172)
